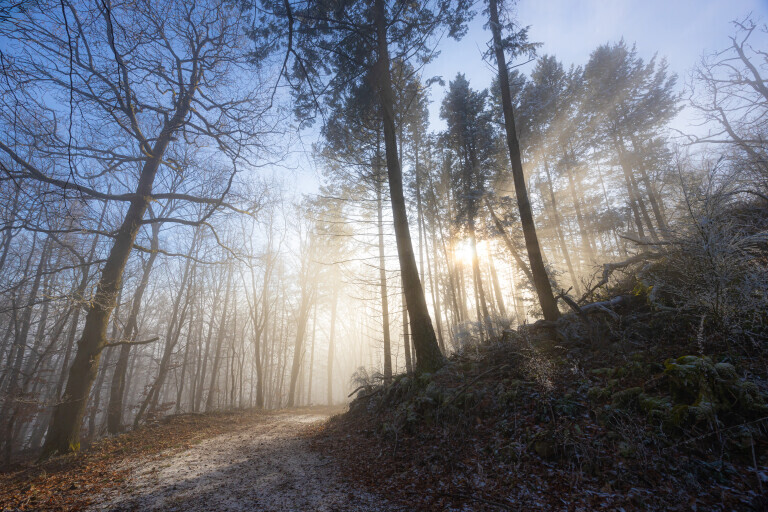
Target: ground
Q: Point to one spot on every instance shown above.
(224, 462)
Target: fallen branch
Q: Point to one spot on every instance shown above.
(643, 241)
(610, 268)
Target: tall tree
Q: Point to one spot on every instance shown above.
(470, 135)
(335, 45)
(517, 42)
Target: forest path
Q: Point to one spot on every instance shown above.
(267, 466)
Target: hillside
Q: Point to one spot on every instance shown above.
(545, 418)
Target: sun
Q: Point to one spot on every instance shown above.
(463, 252)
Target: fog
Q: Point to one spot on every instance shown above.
(156, 257)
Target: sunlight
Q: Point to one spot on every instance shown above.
(462, 251)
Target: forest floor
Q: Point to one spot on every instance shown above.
(629, 421)
(224, 461)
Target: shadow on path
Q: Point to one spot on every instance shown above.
(266, 467)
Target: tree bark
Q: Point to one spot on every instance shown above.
(540, 278)
(429, 357)
(383, 286)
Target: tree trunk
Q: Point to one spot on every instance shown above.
(117, 387)
(557, 221)
(409, 364)
(429, 357)
(540, 278)
(64, 433)
(496, 288)
(212, 387)
(383, 285)
(331, 343)
(307, 297)
(172, 336)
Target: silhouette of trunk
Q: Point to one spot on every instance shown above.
(540, 278)
(383, 285)
(636, 202)
(406, 340)
(429, 357)
(478, 281)
(312, 355)
(117, 387)
(331, 343)
(18, 350)
(508, 242)
(212, 387)
(64, 433)
(307, 298)
(497, 288)
(79, 299)
(434, 287)
(586, 245)
(557, 221)
(171, 336)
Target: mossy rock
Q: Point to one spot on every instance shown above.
(702, 391)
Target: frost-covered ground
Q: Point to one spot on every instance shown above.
(266, 467)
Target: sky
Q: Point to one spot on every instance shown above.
(680, 30)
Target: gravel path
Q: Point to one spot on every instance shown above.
(264, 467)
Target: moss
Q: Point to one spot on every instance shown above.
(626, 398)
(726, 371)
(598, 394)
(654, 406)
(603, 372)
(702, 391)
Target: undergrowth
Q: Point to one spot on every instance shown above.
(620, 411)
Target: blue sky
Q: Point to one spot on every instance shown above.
(680, 30)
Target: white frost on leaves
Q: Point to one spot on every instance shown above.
(264, 467)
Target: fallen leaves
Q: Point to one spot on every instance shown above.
(70, 482)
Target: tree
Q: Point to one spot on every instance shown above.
(470, 135)
(518, 42)
(729, 89)
(333, 46)
(628, 102)
(147, 80)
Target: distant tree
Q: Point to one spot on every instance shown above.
(628, 101)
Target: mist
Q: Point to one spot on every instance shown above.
(160, 254)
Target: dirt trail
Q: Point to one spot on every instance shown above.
(266, 467)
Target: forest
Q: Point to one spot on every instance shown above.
(548, 292)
